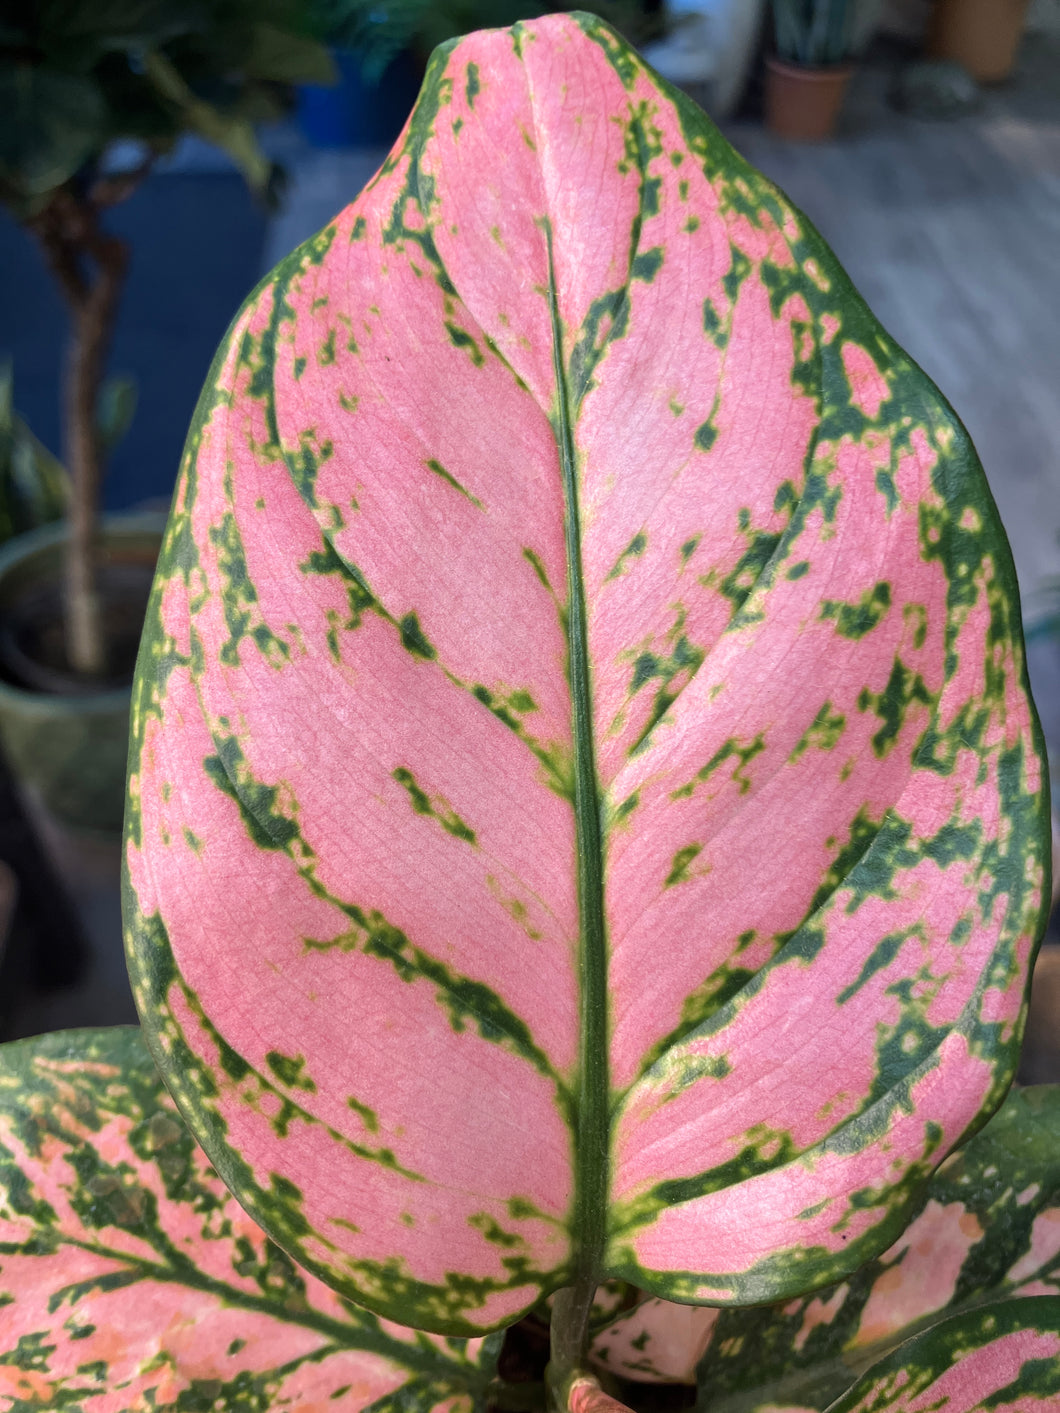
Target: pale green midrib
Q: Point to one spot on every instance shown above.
(591, 1138)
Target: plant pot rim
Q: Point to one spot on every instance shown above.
(813, 73)
(25, 546)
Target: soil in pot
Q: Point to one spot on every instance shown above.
(33, 642)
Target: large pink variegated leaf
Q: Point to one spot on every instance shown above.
(132, 1282)
(586, 812)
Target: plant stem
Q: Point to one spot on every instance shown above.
(571, 1309)
(69, 233)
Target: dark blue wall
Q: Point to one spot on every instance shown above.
(197, 241)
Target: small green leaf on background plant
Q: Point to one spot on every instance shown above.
(232, 132)
(53, 121)
(34, 487)
(117, 407)
(282, 57)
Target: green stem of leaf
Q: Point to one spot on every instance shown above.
(592, 1122)
(569, 1331)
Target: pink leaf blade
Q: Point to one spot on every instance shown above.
(593, 642)
(905, 841)
(331, 931)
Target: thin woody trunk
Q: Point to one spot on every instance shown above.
(70, 237)
(91, 335)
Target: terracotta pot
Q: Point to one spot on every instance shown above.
(983, 35)
(66, 746)
(803, 104)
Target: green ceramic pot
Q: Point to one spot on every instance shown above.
(67, 745)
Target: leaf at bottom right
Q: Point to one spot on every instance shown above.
(1004, 1358)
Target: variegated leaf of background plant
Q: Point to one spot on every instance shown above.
(1004, 1358)
(988, 1228)
(586, 816)
(655, 1342)
(131, 1280)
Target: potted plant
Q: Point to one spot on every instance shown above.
(981, 35)
(77, 81)
(587, 830)
(68, 751)
(807, 77)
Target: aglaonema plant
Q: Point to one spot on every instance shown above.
(587, 834)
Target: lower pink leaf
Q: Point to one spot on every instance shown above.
(132, 1282)
(1003, 1357)
(987, 1229)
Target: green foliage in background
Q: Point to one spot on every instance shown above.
(34, 488)
(34, 485)
(816, 33)
(78, 75)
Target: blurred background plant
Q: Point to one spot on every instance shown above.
(78, 77)
(808, 74)
(817, 33)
